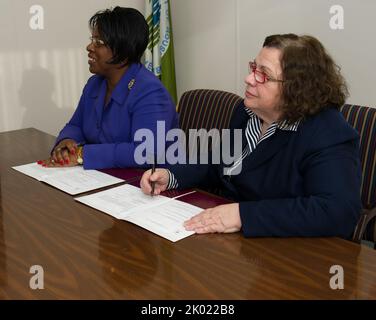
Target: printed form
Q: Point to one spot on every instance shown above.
(159, 214)
(72, 180)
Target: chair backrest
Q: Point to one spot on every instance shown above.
(205, 108)
(363, 119)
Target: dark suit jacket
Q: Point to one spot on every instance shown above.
(304, 183)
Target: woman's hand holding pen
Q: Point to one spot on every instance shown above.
(63, 155)
(160, 177)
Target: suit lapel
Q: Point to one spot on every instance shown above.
(266, 149)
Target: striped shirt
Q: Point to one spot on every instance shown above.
(254, 138)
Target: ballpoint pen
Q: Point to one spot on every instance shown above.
(153, 182)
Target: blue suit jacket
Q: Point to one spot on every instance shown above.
(108, 132)
(304, 183)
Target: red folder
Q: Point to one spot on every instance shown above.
(198, 198)
(204, 199)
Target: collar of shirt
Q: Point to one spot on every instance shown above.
(253, 129)
(252, 134)
(282, 125)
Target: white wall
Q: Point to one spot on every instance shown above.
(214, 39)
(42, 72)
(205, 41)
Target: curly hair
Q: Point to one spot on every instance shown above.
(312, 80)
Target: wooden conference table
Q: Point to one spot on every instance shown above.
(86, 254)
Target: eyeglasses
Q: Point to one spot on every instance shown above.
(97, 42)
(260, 76)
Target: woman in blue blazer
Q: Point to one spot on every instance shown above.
(119, 99)
(299, 172)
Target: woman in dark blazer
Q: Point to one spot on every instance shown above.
(300, 169)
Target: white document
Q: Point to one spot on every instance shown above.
(166, 219)
(72, 180)
(38, 172)
(121, 201)
(161, 215)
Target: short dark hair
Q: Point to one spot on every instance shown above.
(312, 79)
(124, 30)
